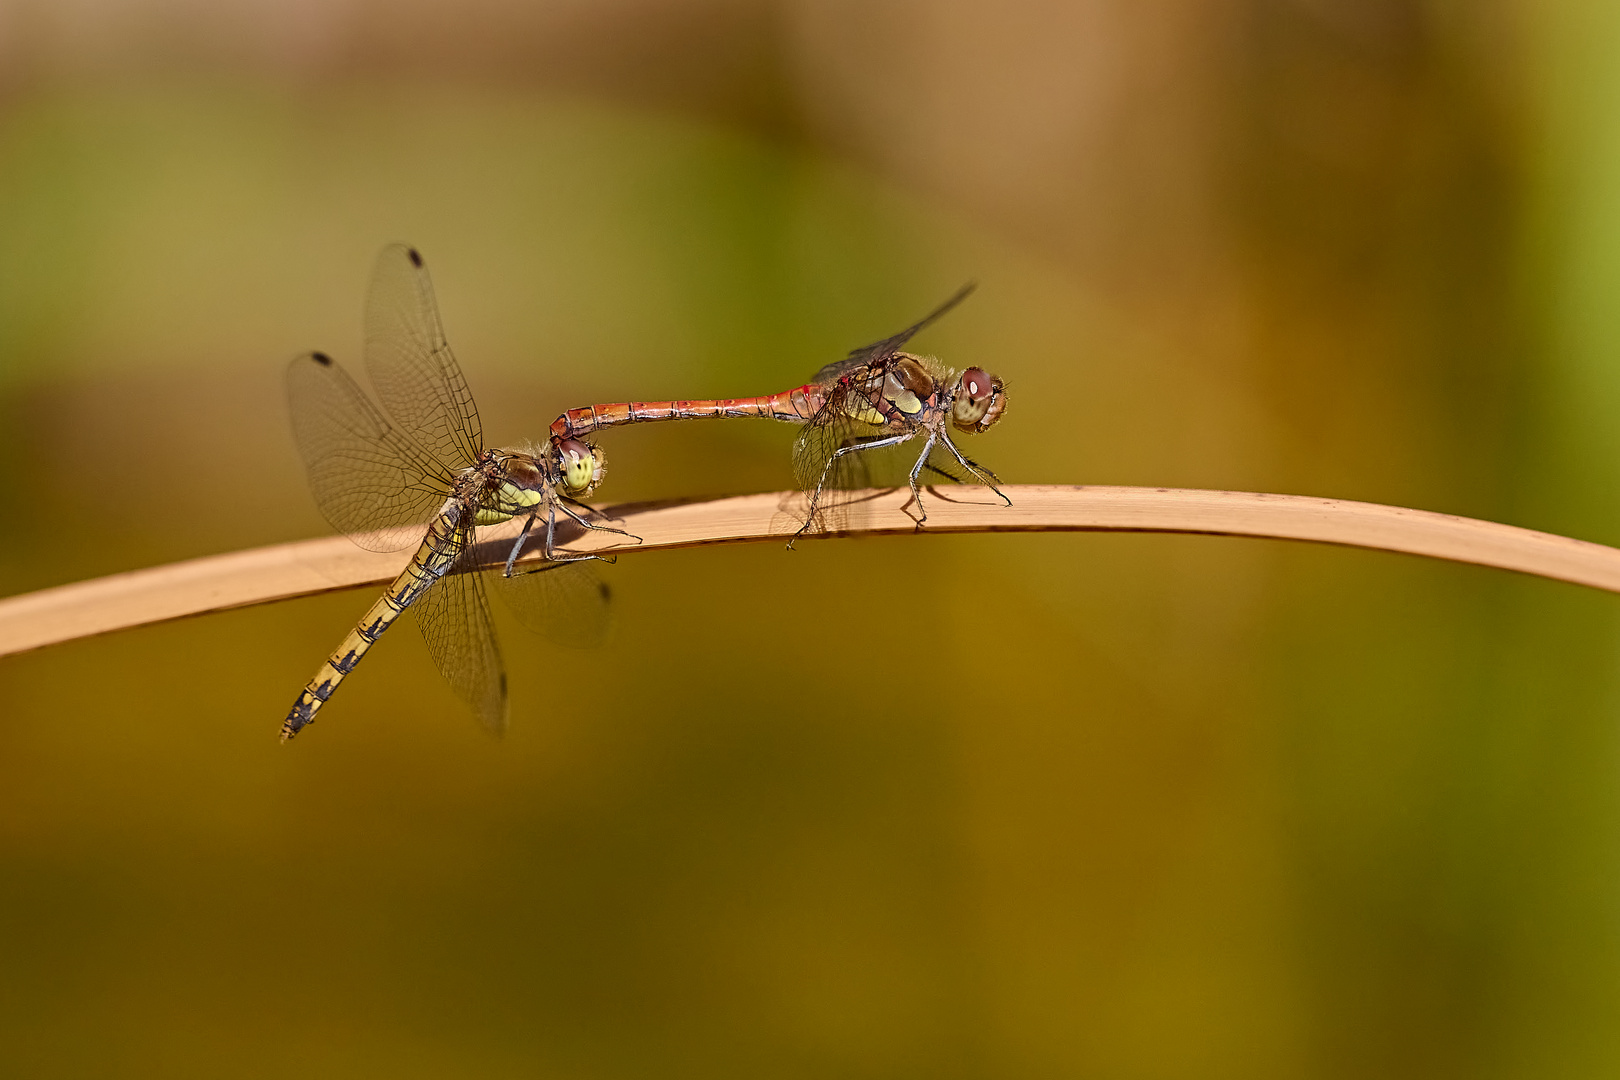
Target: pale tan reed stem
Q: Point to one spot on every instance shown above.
(284, 571)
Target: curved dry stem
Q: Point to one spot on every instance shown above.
(308, 567)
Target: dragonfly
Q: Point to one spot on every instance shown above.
(877, 397)
(380, 477)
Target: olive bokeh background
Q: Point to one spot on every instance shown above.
(978, 806)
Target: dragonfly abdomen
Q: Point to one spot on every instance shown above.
(427, 566)
(340, 663)
(792, 406)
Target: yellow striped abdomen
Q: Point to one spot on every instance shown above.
(432, 559)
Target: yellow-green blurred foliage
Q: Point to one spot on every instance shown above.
(984, 806)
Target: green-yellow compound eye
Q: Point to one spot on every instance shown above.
(578, 465)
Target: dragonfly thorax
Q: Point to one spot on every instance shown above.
(503, 485)
(907, 386)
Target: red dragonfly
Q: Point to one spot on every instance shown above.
(876, 397)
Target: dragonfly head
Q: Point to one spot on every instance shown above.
(579, 466)
(978, 400)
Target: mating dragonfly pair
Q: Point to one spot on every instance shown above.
(380, 478)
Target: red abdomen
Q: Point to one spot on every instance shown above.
(792, 406)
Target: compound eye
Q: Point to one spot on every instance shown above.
(578, 466)
(974, 392)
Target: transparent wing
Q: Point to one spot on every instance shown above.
(369, 480)
(882, 350)
(411, 364)
(454, 618)
(827, 476)
(829, 430)
(567, 602)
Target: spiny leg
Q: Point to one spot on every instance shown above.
(517, 545)
(815, 496)
(551, 531)
(922, 459)
(523, 537)
(990, 478)
(563, 560)
(552, 555)
(586, 523)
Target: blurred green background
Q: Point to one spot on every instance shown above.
(1101, 806)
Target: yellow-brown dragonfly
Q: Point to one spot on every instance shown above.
(380, 480)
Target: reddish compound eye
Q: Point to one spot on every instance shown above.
(975, 393)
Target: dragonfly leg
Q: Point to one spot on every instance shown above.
(990, 479)
(561, 503)
(826, 470)
(922, 459)
(592, 510)
(551, 540)
(551, 555)
(564, 559)
(517, 546)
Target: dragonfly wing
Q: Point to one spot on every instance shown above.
(823, 473)
(567, 602)
(410, 361)
(369, 480)
(830, 429)
(455, 622)
(882, 350)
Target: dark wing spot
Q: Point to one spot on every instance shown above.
(606, 591)
(321, 359)
(415, 257)
(503, 682)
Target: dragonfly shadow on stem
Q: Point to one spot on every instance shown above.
(987, 496)
(953, 493)
(837, 511)
(845, 511)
